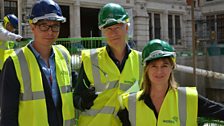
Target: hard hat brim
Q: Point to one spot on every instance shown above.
(159, 54)
(112, 21)
(51, 17)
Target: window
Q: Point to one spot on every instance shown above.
(154, 26)
(177, 29)
(170, 29)
(216, 23)
(174, 29)
(210, 20)
(220, 28)
(157, 26)
(210, 23)
(150, 26)
(10, 7)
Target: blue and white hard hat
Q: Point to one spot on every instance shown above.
(46, 10)
(12, 19)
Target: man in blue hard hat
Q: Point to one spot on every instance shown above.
(7, 35)
(10, 22)
(7, 38)
(37, 89)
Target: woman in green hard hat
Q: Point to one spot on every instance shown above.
(161, 102)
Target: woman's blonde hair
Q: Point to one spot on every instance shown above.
(146, 84)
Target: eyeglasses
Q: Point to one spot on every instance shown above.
(44, 27)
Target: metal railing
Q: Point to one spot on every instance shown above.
(75, 45)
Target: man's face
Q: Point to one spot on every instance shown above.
(116, 34)
(9, 27)
(45, 32)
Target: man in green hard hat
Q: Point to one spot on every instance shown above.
(107, 72)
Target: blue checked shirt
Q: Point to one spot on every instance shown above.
(50, 73)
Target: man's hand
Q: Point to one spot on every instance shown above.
(19, 39)
(88, 96)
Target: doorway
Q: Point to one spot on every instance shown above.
(89, 22)
(65, 27)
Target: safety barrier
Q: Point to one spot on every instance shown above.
(75, 45)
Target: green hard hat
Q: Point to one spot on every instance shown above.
(112, 14)
(157, 48)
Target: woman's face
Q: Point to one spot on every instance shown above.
(159, 71)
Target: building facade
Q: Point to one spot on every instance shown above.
(170, 20)
(213, 18)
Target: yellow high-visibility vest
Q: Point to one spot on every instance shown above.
(32, 104)
(179, 108)
(104, 75)
(5, 51)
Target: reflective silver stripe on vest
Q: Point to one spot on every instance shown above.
(140, 66)
(125, 87)
(182, 100)
(66, 89)
(65, 56)
(28, 94)
(112, 84)
(104, 110)
(34, 96)
(70, 122)
(132, 108)
(96, 71)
